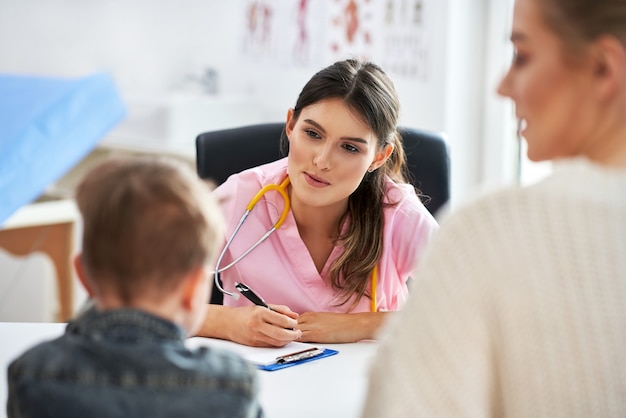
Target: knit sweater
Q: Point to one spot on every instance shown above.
(518, 308)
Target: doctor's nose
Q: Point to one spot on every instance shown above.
(321, 159)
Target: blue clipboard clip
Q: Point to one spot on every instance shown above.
(299, 357)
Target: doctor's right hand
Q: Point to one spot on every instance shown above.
(261, 327)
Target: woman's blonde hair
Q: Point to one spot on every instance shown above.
(578, 22)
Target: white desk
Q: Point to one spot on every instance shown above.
(330, 387)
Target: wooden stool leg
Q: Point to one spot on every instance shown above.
(55, 240)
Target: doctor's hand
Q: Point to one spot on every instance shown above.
(333, 328)
(251, 325)
(261, 327)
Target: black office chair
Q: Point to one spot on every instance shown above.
(428, 162)
(224, 152)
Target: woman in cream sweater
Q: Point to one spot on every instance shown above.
(520, 305)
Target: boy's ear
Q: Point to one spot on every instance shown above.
(195, 288)
(82, 277)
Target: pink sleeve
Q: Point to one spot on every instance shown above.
(412, 228)
(409, 227)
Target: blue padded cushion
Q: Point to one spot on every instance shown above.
(47, 125)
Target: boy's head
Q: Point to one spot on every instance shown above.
(149, 226)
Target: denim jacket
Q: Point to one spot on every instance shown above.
(128, 363)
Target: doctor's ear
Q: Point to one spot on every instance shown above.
(381, 157)
(290, 123)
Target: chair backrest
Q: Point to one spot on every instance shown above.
(224, 152)
(428, 161)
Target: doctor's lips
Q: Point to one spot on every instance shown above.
(316, 181)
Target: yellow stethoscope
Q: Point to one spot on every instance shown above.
(282, 189)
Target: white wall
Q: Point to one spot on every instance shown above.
(156, 47)
(149, 45)
(464, 90)
(499, 163)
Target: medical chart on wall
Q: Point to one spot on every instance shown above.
(258, 37)
(308, 33)
(404, 39)
(282, 32)
(351, 29)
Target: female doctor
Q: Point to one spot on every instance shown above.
(355, 230)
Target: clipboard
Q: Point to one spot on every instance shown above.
(298, 358)
(268, 358)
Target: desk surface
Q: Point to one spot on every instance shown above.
(331, 387)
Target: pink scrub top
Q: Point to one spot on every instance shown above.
(281, 270)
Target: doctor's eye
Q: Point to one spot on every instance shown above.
(312, 134)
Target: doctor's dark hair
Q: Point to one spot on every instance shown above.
(147, 222)
(368, 91)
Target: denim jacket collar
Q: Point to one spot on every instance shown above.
(125, 326)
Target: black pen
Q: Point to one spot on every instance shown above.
(250, 295)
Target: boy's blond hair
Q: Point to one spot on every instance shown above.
(147, 222)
